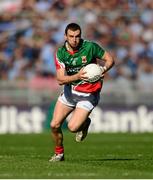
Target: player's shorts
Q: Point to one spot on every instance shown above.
(74, 98)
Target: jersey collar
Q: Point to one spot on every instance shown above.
(73, 52)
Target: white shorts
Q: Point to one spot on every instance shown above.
(74, 99)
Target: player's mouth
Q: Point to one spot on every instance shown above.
(74, 44)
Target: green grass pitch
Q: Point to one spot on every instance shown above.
(100, 156)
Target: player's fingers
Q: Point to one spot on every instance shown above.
(84, 77)
(83, 72)
(102, 76)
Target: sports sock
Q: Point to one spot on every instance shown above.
(59, 150)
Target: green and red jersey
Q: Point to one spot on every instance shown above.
(87, 53)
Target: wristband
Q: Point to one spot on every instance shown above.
(105, 68)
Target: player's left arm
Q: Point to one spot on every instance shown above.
(100, 53)
(108, 61)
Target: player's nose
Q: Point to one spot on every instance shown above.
(74, 39)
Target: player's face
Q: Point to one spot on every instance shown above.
(73, 38)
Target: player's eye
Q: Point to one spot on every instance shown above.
(71, 36)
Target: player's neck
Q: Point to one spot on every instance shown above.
(69, 48)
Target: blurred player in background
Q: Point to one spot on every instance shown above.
(78, 95)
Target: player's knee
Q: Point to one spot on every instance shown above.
(54, 124)
(72, 127)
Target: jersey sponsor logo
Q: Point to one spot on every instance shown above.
(84, 59)
(72, 70)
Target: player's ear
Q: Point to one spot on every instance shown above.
(65, 37)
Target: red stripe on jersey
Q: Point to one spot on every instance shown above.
(88, 87)
(57, 62)
(72, 52)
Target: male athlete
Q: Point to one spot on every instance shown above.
(78, 95)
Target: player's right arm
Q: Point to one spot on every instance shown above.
(62, 76)
(66, 79)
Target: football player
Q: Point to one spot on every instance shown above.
(78, 95)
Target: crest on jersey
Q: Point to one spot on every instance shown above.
(74, 61)
(84, 59)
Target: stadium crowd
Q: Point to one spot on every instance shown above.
(30, 35)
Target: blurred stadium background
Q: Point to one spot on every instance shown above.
(30, 32)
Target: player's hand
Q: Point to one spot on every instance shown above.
(103, 72)
(82, 74)
(102, 76)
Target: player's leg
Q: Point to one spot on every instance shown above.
(80, 121)
(61, 111)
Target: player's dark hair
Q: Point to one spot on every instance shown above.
(72, 27)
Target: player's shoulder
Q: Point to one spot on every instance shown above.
(90, 43)
(60, 51)
(87, 42)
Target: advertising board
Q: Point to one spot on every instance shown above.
(36, 119)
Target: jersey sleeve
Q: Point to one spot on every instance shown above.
(58, 60)
(98, 51)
